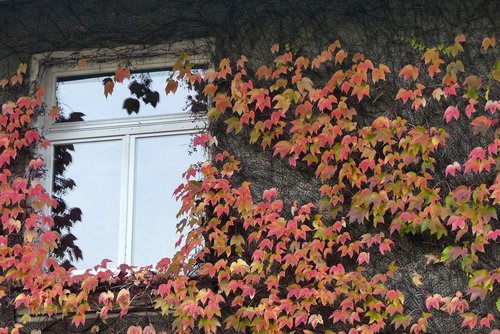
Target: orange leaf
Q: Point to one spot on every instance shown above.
(481, 125)
(82, 63)
(171, 86)
(405, 95)
(54, 112)
(340, 56)
(409, 71)
(470, 319)
(109, 85)
(488, 42)
(121, 73)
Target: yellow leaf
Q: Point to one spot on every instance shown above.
(25, 318)
(417, 279)
(29, 235)
(22, 68)
(239, 266)
(237, 240)
(488, 42)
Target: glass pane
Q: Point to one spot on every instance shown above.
(160, 162)
(86, 95)
(95, 169)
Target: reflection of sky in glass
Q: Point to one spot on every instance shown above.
(158, 167)
(160, 162)
(96, 172)
(87, 96)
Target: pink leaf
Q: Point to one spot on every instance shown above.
(451, 169)
(433, 302)
(363, 257)
(450, 113)
(269, 194)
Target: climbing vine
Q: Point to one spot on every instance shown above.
(251, 262)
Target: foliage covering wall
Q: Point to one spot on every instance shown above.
(347, 191)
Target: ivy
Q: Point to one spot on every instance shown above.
(255, 263)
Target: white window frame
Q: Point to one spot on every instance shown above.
(46, 68)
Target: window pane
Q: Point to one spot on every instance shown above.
(87, 96)
(160, 162)
(95, 168)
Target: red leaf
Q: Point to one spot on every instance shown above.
(451, 90)
(203, 140)
(104, 263)
(264, 72)
(44, 144)
(492, 106)
(31, 136)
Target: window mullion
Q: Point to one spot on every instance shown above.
(130, 198)
(123, 251)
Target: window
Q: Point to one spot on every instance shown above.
(125, 167)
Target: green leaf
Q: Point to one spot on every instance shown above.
(498, 304)
(214, 113)
(233, 123)
(445, 254)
